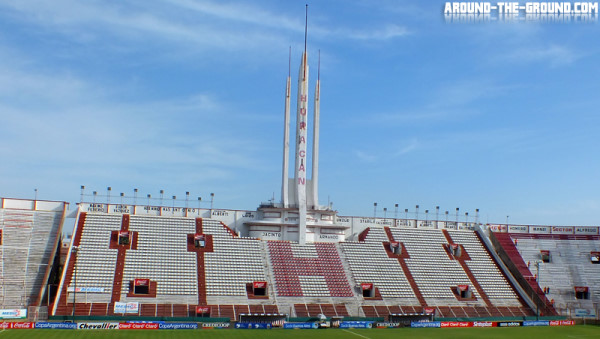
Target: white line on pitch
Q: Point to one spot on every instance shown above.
(360, 335)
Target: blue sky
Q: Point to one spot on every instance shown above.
(188, 95)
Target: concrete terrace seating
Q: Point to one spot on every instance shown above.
(162, 256)
(569, 266)
(179, 310)
(95, 264)
(376, 234)
(234, 262)
(369, 263)
(312, 270)
(492, 281)
(27, 247)
(385, 311)
(433, 271)
(313, 310)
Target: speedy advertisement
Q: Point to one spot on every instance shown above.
(17, 313)
(132, 307)
(536, 323)
(484, 324)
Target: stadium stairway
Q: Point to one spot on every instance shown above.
(405, 269)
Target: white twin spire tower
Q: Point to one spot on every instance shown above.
(300, 192)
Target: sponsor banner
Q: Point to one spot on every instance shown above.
(86, 289)
(484, 324)
(536, 323)
(387, 325)
(141, 282)
(252, 326)
(301, 325)
(444, 324)
(215, 325)
(17, 325)
(356, 324)
(582, 312)
(509, 324)
(586, 230)
(562, 230)
(138, 326)
(429, 310)
(202, 309)
(132, 307)
(423, 324)
(98, 326)
(518, 229)
(260, 284)
(178, 326)
(57, 326)
(539, 229)
(17, 313)
(366, 286)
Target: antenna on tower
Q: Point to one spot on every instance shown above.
(305, 27)
(290, 63)
(319, 67)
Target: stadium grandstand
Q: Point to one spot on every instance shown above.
(289, 259)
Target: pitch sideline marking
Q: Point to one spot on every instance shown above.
(360, 335)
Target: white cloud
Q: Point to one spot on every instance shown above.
(200, 26)
(385, 33)
(455, 101)
(366, 156)
(553, 54)
(56, 122)
(411, 146)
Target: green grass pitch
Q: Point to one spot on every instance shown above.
(570, 332)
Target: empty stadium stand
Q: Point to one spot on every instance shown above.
(411, 271)
(104, 271)
(310, 270)
(369, 263)
(569, 266)
(433, 271)
(30, 235)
